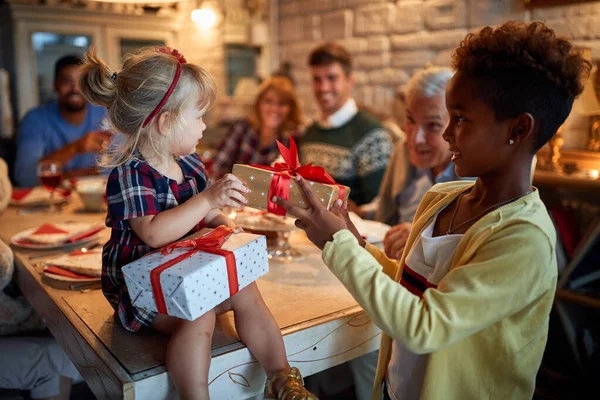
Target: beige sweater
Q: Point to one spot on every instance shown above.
(394, 181)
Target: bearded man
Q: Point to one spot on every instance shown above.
(65, 130)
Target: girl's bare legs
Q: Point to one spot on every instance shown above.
(188, 353)
(260, 333)
(259, 330)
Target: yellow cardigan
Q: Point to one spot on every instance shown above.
(486, 324)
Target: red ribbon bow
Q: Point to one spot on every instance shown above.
(285, 171)
(209, 243)
(174, 52)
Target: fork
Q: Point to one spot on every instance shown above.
(55, 254)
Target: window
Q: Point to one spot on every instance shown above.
(240, 63)
(131, 46)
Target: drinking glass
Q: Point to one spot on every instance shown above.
(50, 175)
(281, 250)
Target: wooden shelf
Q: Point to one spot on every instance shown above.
(549, 178)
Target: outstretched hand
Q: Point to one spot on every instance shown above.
(95, 141)
(319, 223)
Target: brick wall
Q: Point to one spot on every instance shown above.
(390, 39)
(203, 47)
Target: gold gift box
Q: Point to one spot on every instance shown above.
(259, 181)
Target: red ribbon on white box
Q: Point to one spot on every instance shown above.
(209, 243)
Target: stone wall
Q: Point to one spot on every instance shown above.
(391, 39)
(203, 47)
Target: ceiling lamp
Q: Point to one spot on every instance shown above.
(205, 17)
(148, 2)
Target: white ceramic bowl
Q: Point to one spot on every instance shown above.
(91, 192)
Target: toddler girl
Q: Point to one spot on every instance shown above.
(157, 193)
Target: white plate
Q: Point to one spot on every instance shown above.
(69, 279)
(372, 231)
(18, 240)
(40, 196)
(67, 283)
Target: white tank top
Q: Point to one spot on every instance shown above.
(426, 264)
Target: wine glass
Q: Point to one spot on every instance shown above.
(50, 175)
(275, 228)
(281, 250)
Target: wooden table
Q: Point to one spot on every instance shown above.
(321, 324)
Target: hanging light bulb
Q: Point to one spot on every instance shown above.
(204, 17)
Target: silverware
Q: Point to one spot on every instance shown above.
(40, 208)
(54, 254)
(86, 287)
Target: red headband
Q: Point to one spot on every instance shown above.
(180, 60)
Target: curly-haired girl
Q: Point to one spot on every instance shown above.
(466, 311)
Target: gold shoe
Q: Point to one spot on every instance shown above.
(292, 389)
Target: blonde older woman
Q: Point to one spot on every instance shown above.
(277, 115)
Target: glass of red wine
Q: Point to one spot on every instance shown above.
(50, 175)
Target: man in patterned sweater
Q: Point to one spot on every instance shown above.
(355, 149)
(350, 144)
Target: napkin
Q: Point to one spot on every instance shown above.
(62, 233)
(87, 263)
(37, 195)
(54, 270)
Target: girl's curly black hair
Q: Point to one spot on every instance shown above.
(524, 67)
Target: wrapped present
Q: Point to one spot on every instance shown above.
(190, 277)
(278, 180)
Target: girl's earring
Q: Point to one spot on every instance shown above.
(511, 142)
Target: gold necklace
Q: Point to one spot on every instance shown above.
(450, 229)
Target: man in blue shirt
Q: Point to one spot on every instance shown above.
(64, 130)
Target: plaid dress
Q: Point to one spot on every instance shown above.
(135, 189)
(242, 146)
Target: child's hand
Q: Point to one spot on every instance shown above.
(319, 223)
(227, 191)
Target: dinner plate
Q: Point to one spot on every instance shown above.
(64, 278)
(38, 196)
(66, 283)
(372, 231)
(20, 239)
(87, 263)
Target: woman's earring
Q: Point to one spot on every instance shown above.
(511, 142)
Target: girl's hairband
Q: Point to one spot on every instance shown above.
(180, 60)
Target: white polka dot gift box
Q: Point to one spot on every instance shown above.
(278, 180)
(192, 276)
